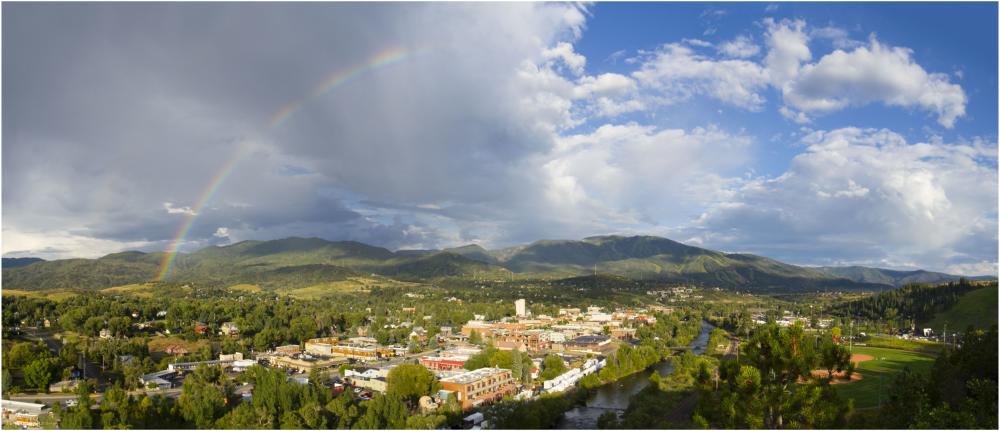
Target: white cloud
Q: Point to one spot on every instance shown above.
(678, 73)
(606, 84)
(788, 47)
(868, 194)
(222, 232)
(563, 51)
(839, 37)
(175, 210)
(662, 174)
(741, 47)
(61, 244)
(697, 42)
(795, 117)
(875, 73)
(984, 267)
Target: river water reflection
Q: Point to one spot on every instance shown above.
(615, 396)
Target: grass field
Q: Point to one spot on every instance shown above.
(977, 308)
(52, 295)
(352, 284)
(250, 288)
(144, 290)
(879, 373)
(920, 346)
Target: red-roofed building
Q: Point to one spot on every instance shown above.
(442, 364)
(200, 328)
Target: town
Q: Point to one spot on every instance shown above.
(577, 340)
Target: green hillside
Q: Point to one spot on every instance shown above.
(977, 308)
(302, 262)
(286, 264)
(890, 277)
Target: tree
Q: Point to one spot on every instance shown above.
(343, 410)
(834, 357)
(245, 416)
(203, 399)
(7, 381)
(115, 408)
(38, 374)
(552, 367)
(302, 328)
(80, 415)
(410, 381)
(133, 375)
(765, 391)
(383, 412)
(516, 364)
(475, 338)
(312, 415)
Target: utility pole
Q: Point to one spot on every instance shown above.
(946, 335)
(851, 337)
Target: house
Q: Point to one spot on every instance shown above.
(159, 380)
(64, 386)
(589, 344)
(230, 329)
(439, 363)
(17, 414)
(289, 349)
(161, 313)
(623, 333)
(175, 350)
(238, 356)
(105, 333)
(418, 333)
(200, 328)
(127, 360)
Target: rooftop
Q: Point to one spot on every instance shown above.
(474, 375)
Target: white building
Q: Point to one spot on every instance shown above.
(521, 307)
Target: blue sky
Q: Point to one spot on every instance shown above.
(813, 133)
(963, 39)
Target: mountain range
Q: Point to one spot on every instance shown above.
(298, 262)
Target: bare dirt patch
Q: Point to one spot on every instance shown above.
(840, 378)
(861, 357)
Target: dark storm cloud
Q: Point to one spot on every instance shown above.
(113, 111)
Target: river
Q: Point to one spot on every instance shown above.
(615, 396)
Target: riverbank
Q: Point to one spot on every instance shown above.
(615, 396)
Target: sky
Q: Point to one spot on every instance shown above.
(812, 133)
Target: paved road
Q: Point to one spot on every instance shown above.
(46, 336)
(51, 399)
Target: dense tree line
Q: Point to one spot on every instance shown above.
(912, 302)
(770, 387)
(208, 401)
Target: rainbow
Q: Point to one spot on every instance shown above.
(206, 195)
(381, 59)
